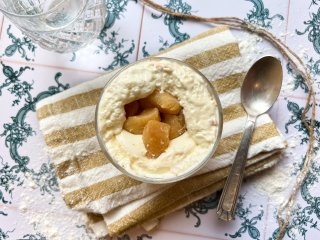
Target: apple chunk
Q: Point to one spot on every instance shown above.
(156, 138)
(136, 124)
(165, 102)
(177, 124)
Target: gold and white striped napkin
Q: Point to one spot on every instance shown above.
(115, 202)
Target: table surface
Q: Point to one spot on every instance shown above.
(30, 203)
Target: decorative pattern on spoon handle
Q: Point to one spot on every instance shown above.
(227, 204)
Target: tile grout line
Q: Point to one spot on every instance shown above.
(278, 109)
(295, 97)
(16, 208)
(287, 23)
(266, 220)
(1, 27)
(50, 66)
(140, 33)
(190, 234)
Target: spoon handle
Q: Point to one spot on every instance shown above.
(228, 200)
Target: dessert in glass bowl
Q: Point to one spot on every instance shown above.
(159, 120)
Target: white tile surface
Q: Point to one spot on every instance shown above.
(136, 24)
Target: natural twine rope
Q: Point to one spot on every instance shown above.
(285, 208)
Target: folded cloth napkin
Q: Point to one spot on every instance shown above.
(115, 202)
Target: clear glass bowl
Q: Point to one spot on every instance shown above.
(196, 167)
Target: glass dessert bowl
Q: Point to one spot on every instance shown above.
(159, 120)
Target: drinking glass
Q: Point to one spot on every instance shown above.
(57, 25)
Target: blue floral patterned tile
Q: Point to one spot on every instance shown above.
(271, 14)
(304, 29)
(293, 84)
(162, 234)
(304, 224)
(24, 165)
(303, 37)
(119, 39)
(29, 74)
(177, 236)
(18, 46)
(291, 123)
(174, 30)
(12, 224)
(200, 218)
(305, 215)
(169, 30)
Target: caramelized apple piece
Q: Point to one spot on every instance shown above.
(131, 108)
(145, 103)
(177, 124)
(135, 124)
(165, 102)
(156, 138)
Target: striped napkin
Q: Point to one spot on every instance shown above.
(115, 202)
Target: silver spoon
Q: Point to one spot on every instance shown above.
(259, 91)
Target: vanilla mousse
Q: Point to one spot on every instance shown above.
(158, 119)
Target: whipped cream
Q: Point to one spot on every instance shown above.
(199, 108)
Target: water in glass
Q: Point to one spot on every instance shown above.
(58, 25)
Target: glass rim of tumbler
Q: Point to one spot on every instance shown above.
(35, 15)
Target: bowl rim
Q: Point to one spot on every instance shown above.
(194, 169)
(25, 16)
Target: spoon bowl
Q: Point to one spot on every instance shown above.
(259, 91)
(261, 86)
